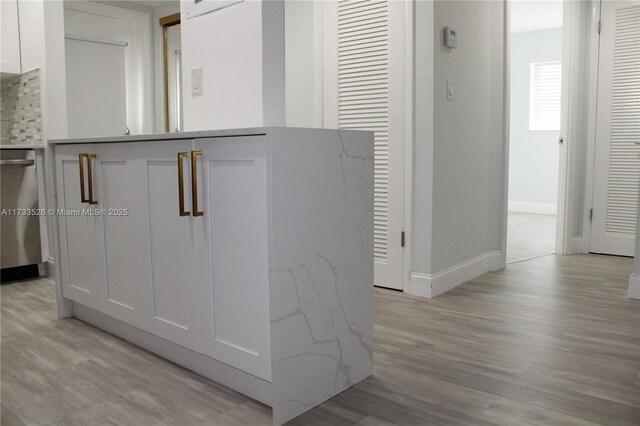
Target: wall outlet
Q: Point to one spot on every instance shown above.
(196, 81)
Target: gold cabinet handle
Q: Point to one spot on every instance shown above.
(83, 196)
(90, 178)
(194, 183)
(183, 212)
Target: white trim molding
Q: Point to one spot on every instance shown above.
(576, 245)
(535, 208)
(634, 286)
(432, 285)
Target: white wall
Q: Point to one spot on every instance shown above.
(241, 51)
(303, 63)
(458, 152)
(533, 155)
(468, 134)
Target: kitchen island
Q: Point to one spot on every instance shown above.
(245, 255)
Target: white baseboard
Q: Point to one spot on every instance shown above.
(432, 285)
(51, 268)
(634, 286)
(419, 285)
(576, 245)
(537, 208)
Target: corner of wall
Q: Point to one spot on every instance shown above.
(418, 285)
(432, 285)
(273, 63)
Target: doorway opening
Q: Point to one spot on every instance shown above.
(535, 119)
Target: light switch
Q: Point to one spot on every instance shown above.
(196, 81)
(451, 90)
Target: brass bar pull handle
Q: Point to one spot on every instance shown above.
(194, 182)
(183, 212)
(83, 196)
(90, 177)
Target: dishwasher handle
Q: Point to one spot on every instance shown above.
(17, 162)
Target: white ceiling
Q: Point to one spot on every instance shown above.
(532, 15)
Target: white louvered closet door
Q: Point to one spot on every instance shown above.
(617, 159)
(368, 94)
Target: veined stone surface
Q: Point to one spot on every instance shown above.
(322, 266)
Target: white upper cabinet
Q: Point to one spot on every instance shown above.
(10, 44)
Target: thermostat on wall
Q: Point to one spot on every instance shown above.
(450, 39)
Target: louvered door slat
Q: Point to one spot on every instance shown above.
(363, 87)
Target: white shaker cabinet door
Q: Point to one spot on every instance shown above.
(78, 232)
(171, 290)
(122, 229)
(233, 271)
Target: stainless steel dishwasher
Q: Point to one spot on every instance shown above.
(20, 231)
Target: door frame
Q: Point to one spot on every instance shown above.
(592, 112)
(568, 127)
(409, 137)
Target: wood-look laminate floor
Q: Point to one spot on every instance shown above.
(549, 341)
(530, 235)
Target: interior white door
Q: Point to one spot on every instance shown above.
(78, 232)
(364, 82)
(96, 89)
(617, 157)
(233, 251)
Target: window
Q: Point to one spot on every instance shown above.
(544, 106)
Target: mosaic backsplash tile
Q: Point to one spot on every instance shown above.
(21, 111)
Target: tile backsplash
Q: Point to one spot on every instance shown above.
(21, 111)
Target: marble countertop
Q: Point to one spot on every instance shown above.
(21, 146)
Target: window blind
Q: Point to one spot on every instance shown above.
(545, 95)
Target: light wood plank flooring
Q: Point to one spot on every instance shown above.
(530, 235)
(552, 340)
